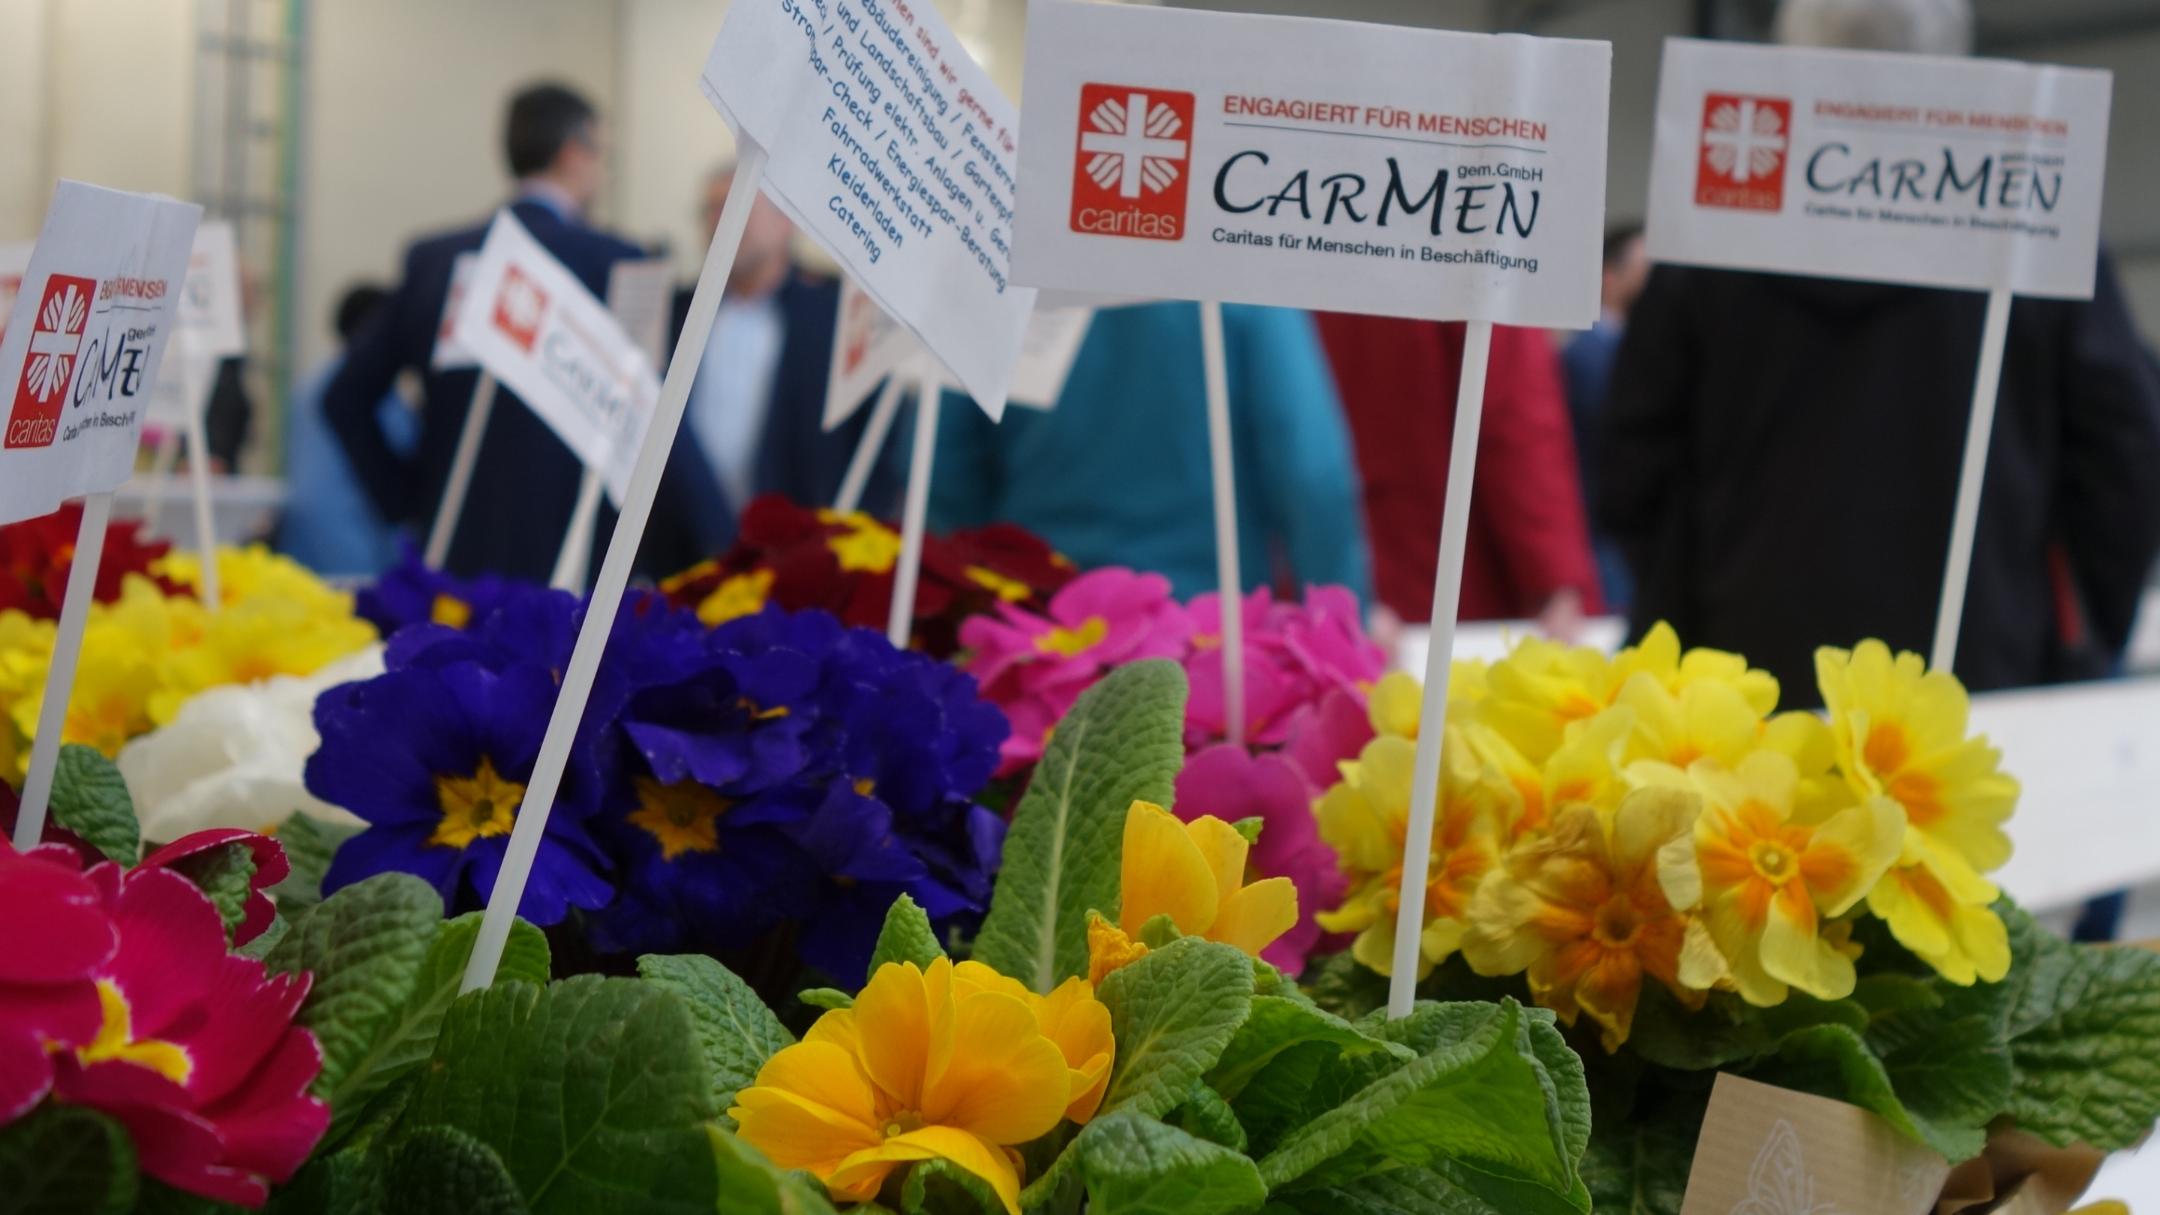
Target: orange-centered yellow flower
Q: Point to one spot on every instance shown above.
(1767, 881)
(1940, 909)
(943, 1063)
(1580, 910)
(1195, 874)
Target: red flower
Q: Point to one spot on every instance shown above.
(138, 1011)
(36, 554)
(271, 867)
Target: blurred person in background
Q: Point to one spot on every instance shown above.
(758, 406)
(525, 483)
(1117, 473)
(1587, 358)
(1780, 455)
(329, 524)
(1528, 553)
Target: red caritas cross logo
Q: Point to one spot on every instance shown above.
(519, 306)
(56, 336)
(1133, 149)
(1744, 140)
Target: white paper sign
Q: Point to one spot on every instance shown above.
(1054, 336)
(1890, 168)
(536, 328)
(449, 354)
(207, 328)
(641, 295)
(868, 345)
(14, 259)
(891, 147)
(1182, 154)
(84, 340)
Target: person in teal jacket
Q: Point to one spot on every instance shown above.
(1117, 474)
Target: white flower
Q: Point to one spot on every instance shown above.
(234, 755)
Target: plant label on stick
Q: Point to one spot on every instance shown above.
(207, 329)
(1183, 154)
(14, 260)
(893, 150)
(1773, 1150)
(641, 295)
(868, 346)
(532, 325)
(1054, 338)
(449, 354)
(1927, 171)
(92, 317)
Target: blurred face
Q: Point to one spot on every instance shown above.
(581, 166)
(1625, 277)
(765, 237)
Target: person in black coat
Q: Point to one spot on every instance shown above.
(1780, 460)
(757, 408)
(525, 482)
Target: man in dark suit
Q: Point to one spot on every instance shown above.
(524, 485)
(757, 408)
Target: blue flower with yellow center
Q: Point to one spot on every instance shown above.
(410, 593)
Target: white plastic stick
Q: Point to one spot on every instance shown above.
(865, 458)
(1447, 594)
(461, 470)
(900, 624)
(199, 489)
(607, 596)
(60, 674)
(577, 538)
(1227, 579)
(1980, 428)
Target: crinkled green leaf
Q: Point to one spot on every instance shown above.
(1172, 1012)
(1122, 742)
(734, 1028)
(223, 873)
(440, 1170)
(1395, 1192)
(90, 798)
(309, 844)
(66, 1160)
(1639, 1165)
(751, 1185)
(345, 1182)
(1833, 1061)
(1204, 1113)
(593, 1092)
(157, 1198)
(1345, 987)
(906, 936)
(940, 1187)
(385, 969)
(1134, 1165)
(2083, 1027)
(1473, 1098)
(1278, 1023)
(1560, 1075)
(827, 998)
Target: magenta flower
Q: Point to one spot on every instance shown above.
(1034, 667)
(271, 867)
(139, 1012)
(1231, 784)
(1295, 654)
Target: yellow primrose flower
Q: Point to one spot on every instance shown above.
(254, 639)
(1940, 909)
(867, 546)
(254, 572)
(1705, 719)
(737, 596)
(1766, 881)
(1900, 732)
(1365, 817)
(1541, 689)
(1659, 656)
(1396, 703)
(1580, 911)
(1195, 874)
(1070, 1016)
(1584, 770)
(939, 1063)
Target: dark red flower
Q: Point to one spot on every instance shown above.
(36, 554)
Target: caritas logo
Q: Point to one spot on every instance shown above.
(1133, 149)
(56, 337)
(520, 305)
(1744, 141)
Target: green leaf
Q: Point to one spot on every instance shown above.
(90, 798)
(1278, 1023)
(1172, 1013)
(592, 1091)
(1473, 1098)
(1204, 1113)
(1560, 1076)
(735, 1030)
(906, 937)
(385, 969)
(940, 1187)
(750, 1185)
(1640, 1165)
(2082, 1027)
(158, 1198)
(1160, 930)
(346, 1182)
(1122, 742)
(224, 873)
(828, 998)
(309, 844)
(1249, 828)
(1341, 985)
(1137, 1166)
(67, 1160)
(1833, 1061)
(1395, 1192)
(440, 1170)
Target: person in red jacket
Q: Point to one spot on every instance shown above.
(1529, 546)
